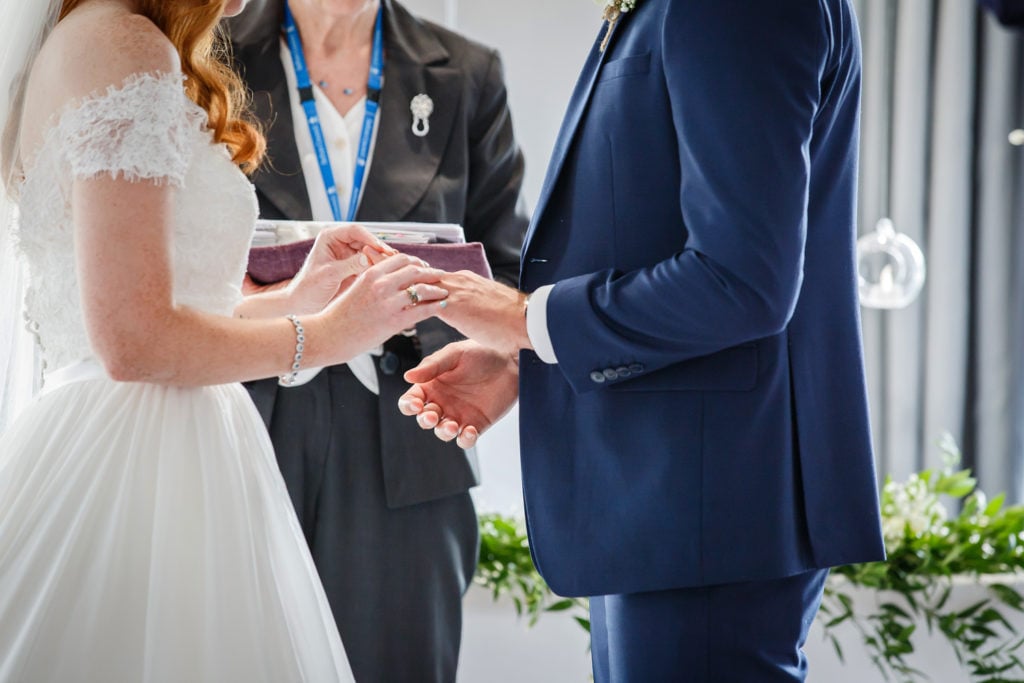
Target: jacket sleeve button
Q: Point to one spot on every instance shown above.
(596, 376)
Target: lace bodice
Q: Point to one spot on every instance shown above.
(144, 129)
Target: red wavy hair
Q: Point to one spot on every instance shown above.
(192, 27)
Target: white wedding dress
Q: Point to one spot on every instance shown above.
(145, 531)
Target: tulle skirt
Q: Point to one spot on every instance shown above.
(146, 536)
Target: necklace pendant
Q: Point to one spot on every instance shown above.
(348, 91)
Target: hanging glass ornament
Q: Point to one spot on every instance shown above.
(890, 268)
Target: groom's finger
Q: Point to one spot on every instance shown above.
(468, 437)
(428, 369)
(411, 402)
(430, 416)
(435, 364)
(427, 420)
(447, 430)
(422, 373)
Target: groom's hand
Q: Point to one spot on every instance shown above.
(486, 311)
(461, 391)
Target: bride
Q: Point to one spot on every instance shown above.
(145, 532)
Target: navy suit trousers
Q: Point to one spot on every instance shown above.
(748, 632)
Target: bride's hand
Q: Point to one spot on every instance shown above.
(339, 254)
(392, 295)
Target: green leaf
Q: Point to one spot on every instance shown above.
(584, 623)
(944, 597)
(969, 611)
(559, 606)
(835, 621)
(995, 505)
(895, 609)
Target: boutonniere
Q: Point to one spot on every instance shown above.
(613, 10)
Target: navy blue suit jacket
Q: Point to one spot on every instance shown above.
(707, 419)
(1009, 12)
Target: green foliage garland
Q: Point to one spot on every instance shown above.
(506, 568)
(926, 547)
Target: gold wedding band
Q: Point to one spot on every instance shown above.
(414, 296)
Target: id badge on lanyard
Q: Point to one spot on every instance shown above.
(316, 132)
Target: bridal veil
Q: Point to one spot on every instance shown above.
(23, 28)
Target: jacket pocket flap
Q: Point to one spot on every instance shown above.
(626, 66)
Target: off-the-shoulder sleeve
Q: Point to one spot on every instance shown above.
(140, 130)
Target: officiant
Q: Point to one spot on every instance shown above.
(373, 114)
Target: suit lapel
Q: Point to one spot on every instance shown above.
(573, 115)
(404, 165)
(281, 179)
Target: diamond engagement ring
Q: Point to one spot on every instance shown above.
(414, 296)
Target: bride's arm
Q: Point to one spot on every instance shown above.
(123, 236)
(123, 233)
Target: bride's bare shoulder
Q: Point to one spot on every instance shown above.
(99, 45)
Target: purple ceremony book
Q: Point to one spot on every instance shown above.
(270, 264)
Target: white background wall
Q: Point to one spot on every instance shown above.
(543, 44)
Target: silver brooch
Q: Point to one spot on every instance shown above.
(421, 107)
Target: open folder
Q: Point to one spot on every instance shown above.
(279, 248)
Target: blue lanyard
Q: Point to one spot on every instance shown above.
(305, 87)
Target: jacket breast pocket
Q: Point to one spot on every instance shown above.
(733, 369)
(625, 66)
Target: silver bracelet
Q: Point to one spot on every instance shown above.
(300, 346)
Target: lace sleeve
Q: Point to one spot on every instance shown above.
(139, 130)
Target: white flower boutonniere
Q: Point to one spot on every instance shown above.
(614, 9)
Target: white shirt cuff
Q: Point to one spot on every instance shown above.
(362, 366)
(303, 376)
(537, 325)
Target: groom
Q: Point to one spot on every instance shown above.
(695, 441)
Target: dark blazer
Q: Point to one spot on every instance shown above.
(468, 170)
(1009, 12)
(707, 420)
